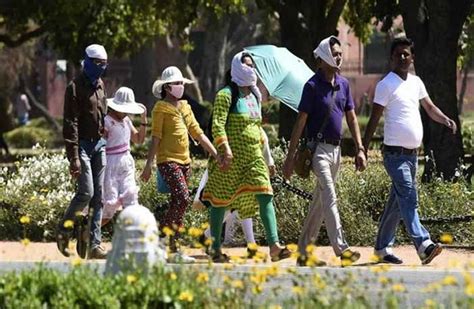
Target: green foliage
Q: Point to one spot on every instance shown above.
(210, 287)
(28, 136)
(40, 188)
(122, 26)
(468, 138)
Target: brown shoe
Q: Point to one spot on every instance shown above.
(98, 253)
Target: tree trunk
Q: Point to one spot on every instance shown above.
(435, 27)
(144, 73)
(302, 27)
(214, 59)
(43, 110)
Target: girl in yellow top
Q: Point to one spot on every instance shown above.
(172, 121)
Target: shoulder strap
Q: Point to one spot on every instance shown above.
(332, 103)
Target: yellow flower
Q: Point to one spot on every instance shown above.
(257, 289)
(131, 278)
(186, 296)
(25, 242)
(346, 262)
(430, 303)
(238, 284)
(468, 279)
(319, 282)
(181, 230)
(384, 280)
(292, 247)
(208, 242)
(76, 262)
(469, 290)
(272, 271)
(25, 220)
(167, 231)
(173, 276)
(204, 226)
(446, 238)
(450, 280)
(374, 258)
(310, 248)
(195, 232)
(202, 277)
(275, 307)
(252, 246)
(398, 287)
(69, 224)
(298, 290)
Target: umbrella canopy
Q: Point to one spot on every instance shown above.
(282, 73)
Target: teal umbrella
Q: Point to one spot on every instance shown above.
(282, 73)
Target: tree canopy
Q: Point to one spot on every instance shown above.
(123, 26)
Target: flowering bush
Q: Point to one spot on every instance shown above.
(223, 287)
(39, 188)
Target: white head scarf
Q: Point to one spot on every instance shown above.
(96, 51)
(323, 51)
(244, 76)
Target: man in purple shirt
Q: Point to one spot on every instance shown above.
(317, 97)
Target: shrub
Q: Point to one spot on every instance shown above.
(27, 137)
(40, 189)
(215, 287)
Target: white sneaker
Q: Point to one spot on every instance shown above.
(181, 258)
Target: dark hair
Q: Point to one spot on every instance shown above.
(403, 41)
(334, 41)
(163, 91)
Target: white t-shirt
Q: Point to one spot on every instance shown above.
(401, 99)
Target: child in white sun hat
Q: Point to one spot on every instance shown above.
(119, 178)
(119, 131)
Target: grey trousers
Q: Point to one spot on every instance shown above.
(326, 161)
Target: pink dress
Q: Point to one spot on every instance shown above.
(120, 187)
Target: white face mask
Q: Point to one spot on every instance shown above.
(177, 91)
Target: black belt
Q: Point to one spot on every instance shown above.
(399, 150)
(334, 142)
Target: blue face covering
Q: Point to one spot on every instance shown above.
(93, 71)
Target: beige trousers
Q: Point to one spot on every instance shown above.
(326, 161)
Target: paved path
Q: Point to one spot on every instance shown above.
(449, 258)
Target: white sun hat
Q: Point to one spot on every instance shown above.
(170, 75)
(124, 102)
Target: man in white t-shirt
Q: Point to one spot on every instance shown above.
(398, 96)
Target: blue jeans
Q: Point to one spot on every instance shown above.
(402, 204)
(90, 186)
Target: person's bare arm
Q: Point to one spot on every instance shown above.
(353, 124)
(154, 144)
(437, 115)
(377, 112)
(289, 164)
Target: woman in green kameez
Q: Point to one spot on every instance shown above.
(243, 174)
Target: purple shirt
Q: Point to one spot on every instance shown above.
(317, 94)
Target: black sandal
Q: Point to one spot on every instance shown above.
(220, 257)
(283, 254)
